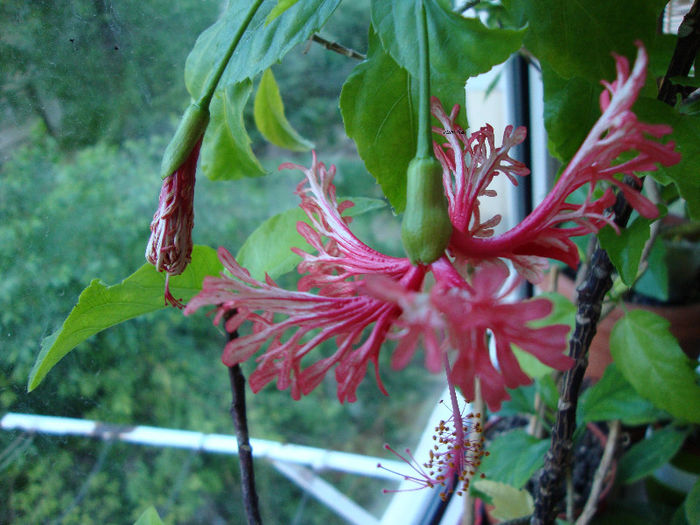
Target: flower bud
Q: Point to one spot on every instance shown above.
(189, 131)
(426, 226)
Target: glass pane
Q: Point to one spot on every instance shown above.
(90, 97)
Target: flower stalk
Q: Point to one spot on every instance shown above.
(426, 226)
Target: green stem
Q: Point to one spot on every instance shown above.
(208, 92)
(424, 148)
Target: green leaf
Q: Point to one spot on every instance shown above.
(573, 42)
(149, 517)
(654, 281)
(650, 358)
(692, 504)
(457, 44)
(613, 397)
(649, 454)
(509, 503)
(268, 249)
(281, 7)
(570, 110)
(563, 312)
(514, 457)
(577, 38)
(270, 119)
(522, 401)
(261, 45)
(625, 250)
(686, 135)
(101, 306)
(533, 367)
(382, 122)
(226, 152)
(678, 517)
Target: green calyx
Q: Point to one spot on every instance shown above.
(191, 128)
(426, 226)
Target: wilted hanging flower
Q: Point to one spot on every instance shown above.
(169, 247)
(471, 164)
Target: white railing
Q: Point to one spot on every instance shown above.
(300, 464)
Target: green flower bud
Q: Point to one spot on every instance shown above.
(426, 226)
(191, 128)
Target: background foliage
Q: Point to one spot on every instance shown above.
(84, 127)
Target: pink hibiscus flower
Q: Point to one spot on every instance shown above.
(357, 297)
(471, 164)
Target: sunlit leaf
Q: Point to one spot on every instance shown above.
(270, 119)
(149, 517)
(261, 45)
(226, 151)
(509, 503)
(101, 306)
(268, 249)
(650, 358)
(281, 7)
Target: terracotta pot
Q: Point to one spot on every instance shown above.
(684, 319)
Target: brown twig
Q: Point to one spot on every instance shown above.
(334, 46)
(590, 299)
(245, 451)
(591, 294)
